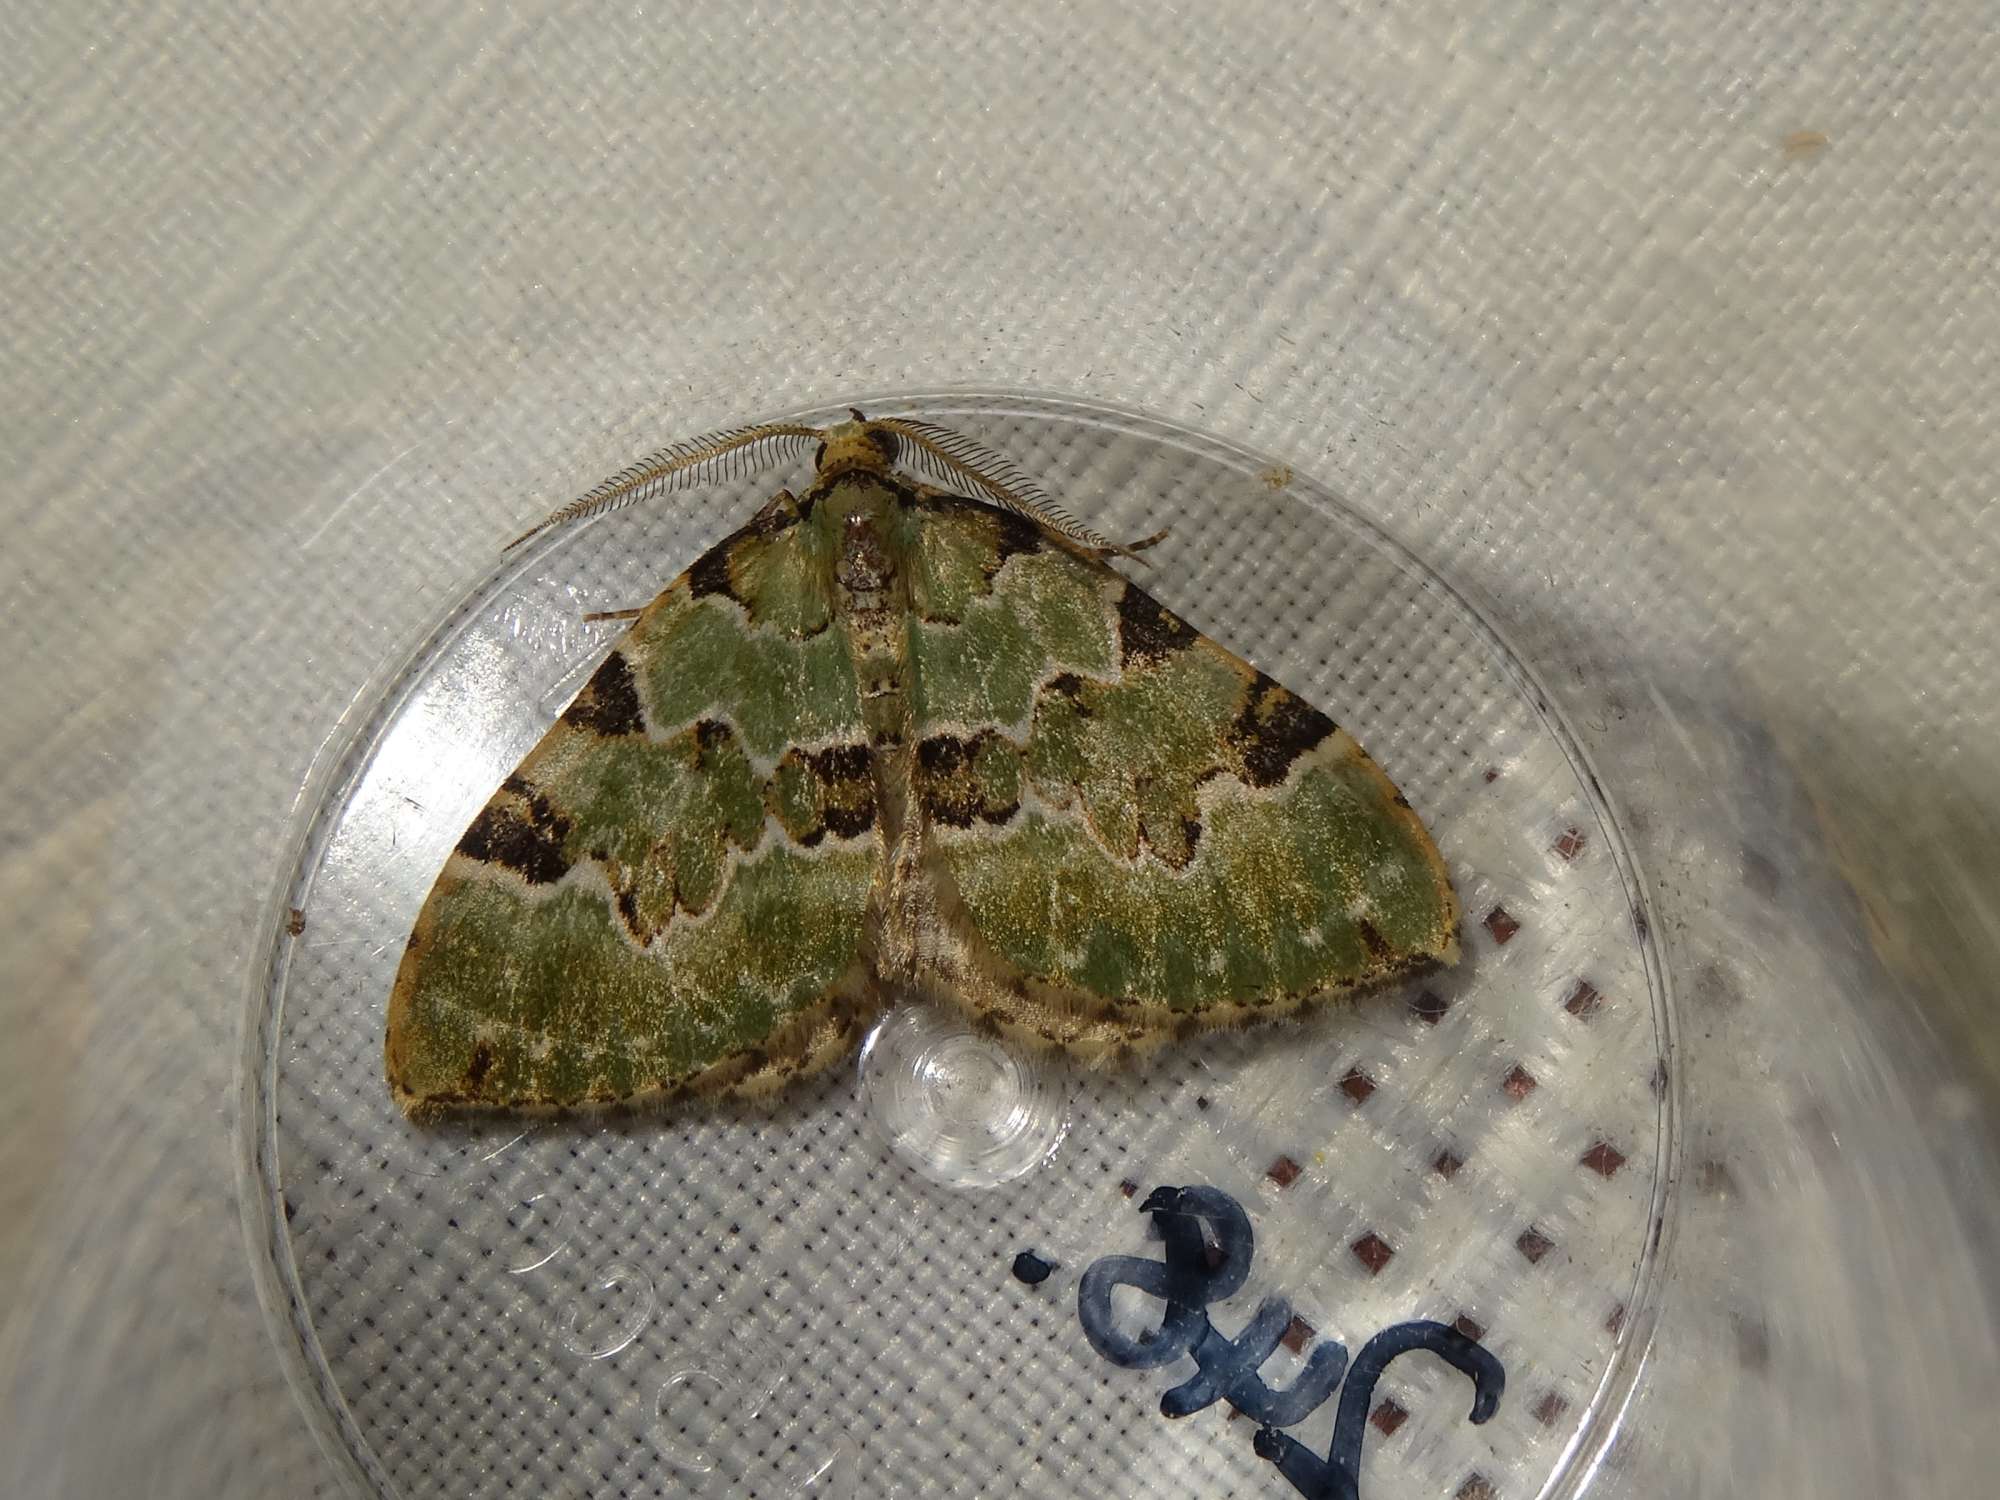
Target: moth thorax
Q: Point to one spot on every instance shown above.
(865, 567)
(859, 445)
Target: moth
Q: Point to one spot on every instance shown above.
(906, 733)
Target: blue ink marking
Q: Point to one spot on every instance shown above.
(1338, 1475)
(1197, 1272)
(1031, 1268)
(1188, 1281)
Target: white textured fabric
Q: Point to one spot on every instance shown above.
(309, 311)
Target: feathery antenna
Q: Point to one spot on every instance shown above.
(952, 458)
(720, 455)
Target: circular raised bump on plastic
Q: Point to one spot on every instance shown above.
(961, 1108)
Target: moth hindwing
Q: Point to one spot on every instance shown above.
(887, 737)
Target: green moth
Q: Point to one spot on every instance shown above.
(895, 737)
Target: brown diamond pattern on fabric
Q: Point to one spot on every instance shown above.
(1471, 1329)
(1284, 1171)
(1548, 1411)
(1476, 1487)
(1128, 1187)
(1298, 1333)
(1447, 1164)
(1388, 1416)
(1583, 1000)
(1502, 924)
(1430, 1007)
(1603, 1158)
(1357, 1085)
(1373, 1251)
(1533, 1245)
(1569, 843)
(1519, 1083)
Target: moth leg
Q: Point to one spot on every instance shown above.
(1133, 549)
(591, 617)
(784, 503)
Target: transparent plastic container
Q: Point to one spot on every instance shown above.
(899, 1278)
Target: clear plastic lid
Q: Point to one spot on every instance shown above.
(926, 1272)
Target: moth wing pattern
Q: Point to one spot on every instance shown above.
(669, 892)
(1136, 822)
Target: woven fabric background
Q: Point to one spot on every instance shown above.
(1664, 332)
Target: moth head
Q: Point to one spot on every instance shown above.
(859, 444)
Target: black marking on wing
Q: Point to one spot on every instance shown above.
(1014, 536)
(609, 702)
(480, 1065)
(1068, 685)
(841, 800)
(951, 784)
(847, 774)
(1274, 729)
(522, 832)
(710, 573)
(1190, 835)
(710, 735)
(1147, 631)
